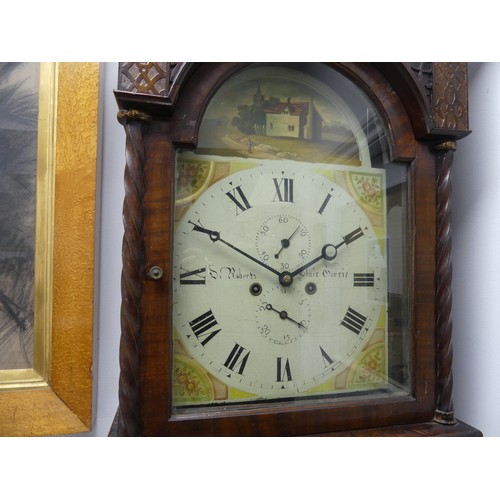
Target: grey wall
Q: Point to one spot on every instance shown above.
(476, 256)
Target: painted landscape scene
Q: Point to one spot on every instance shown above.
(269, 117)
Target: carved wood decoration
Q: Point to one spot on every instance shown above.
(443, 87)
(156, 79)
(422, 72)
(145, 78)
(436, 92)
(449, 96)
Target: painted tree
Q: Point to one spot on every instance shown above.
(251, 118)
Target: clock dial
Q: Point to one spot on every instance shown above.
(279, 280)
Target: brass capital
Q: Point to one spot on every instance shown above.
(445, 146)
(126, 115)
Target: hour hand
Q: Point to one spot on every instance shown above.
(215, 236)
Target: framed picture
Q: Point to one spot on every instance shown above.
(48, 171)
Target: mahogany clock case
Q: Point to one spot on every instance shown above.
(162, 108)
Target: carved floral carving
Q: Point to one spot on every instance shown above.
(449, 96)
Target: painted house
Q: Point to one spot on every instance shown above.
(293, 119)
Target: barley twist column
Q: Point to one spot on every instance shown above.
(444, 413)
(133, 253)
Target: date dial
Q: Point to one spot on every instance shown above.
(283, 241)
(283, 315)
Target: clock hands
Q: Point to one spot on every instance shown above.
(328, 252)
(215, 236)
(285, 243)
(284, 315)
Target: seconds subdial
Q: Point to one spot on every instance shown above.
(283, 241)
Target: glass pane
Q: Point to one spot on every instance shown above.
(18, 162)
(291, 246)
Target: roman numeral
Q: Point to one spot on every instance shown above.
(326, 359)
(353, 320)
(283, 372)
(325, 203)
(237, 359)
(202, 327)
(196, 277)
(353, 236)
(364, 279)
(237, 196)
(284, 190)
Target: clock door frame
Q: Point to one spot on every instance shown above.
(424, 106)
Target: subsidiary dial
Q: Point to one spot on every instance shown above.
(283, 315)
(283, 241)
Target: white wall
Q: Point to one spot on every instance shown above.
(109, 272)
(476, 257)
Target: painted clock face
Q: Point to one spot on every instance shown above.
(279, 280)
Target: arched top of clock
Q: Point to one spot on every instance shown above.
(410, 97)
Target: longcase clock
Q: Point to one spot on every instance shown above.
(286, 254)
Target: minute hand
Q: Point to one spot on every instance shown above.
(215, 236)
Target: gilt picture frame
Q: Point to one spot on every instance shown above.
(54, 394)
